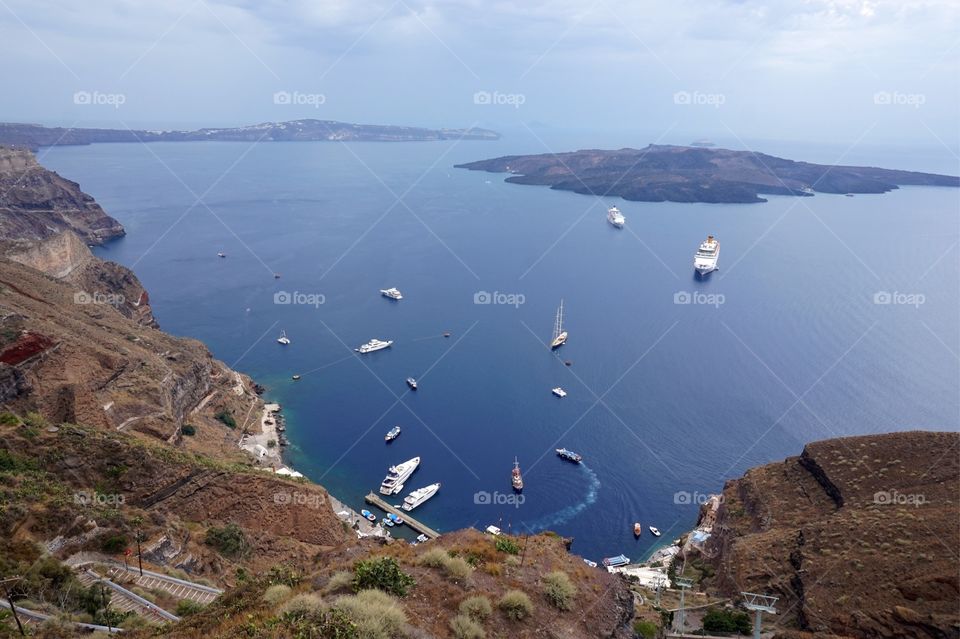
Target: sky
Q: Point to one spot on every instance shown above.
(843, 71)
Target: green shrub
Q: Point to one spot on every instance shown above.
(382, 573)
(516, 605)
(645, 629)
(464, 627)
(187, 607)
(276, 594)
(476, 607)
(507, 545)
(559, 590)
(375, 614)
(9, 419)
(114, 544)
(188, 430)
(434, 558)
(302, 605)
(727, 620)
(227, 419)
(458, 568)
(229, 540)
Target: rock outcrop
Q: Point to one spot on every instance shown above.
(857, 536)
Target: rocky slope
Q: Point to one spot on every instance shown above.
(857, 536)
(307, 130)
(36, 203)
(661, 173)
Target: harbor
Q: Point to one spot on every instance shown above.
(373, 500)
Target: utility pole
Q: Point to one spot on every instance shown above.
(682, 583)
(13, 608)
(106, 607)
(523, 554)
(758, 604)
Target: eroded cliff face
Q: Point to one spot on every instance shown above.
(36, 203)
(857, 536)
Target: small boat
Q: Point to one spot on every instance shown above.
(368, 515)
(592, 564)
(559, 392)
(387, 522)
(283, 339)
(569, 455)
(392, 293)
(221, 254)
(276, 276)
(568, 362)
(296, 378)
(517, 478)
(412, 383)
(446, 334)
(559, 335)
(374, 345)
(422, 538)
(493, 530)
(655, 531)
(637, 529)
(848, 194)
(619, 560)
(397, 519)
(393, 434)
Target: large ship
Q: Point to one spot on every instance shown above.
(615, 217)
(419, 496)
(517, 478)
(397, 475)
(569, 455)
(707, 255)
(374, 345)
(559, 335)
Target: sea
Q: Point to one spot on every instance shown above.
(829, 316)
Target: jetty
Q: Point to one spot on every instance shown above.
(372, 499)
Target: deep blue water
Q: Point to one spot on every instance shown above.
(663, 397)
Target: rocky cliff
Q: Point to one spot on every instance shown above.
(36, 203)
(857, 536)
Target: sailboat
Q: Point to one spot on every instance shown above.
(559, 335)
(283, 339)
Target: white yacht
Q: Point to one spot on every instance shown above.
(392, 293)
(283, 339)
(559, 335)
(419, 496)
(397, 475)
(707, 256)
(374, 345)
(559, 392)
(615, 217)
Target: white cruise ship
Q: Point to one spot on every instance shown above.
(374, 345)
(707, 256)
(419, 496)
(397, 476)
(392, 293)
(615, 217)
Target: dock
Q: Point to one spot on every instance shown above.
(407, 519)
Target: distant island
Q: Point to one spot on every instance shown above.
(665, 173)
(33, 136)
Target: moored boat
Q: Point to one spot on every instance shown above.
(397, 476)
(613, 562)
(559, 392)
(283, 339)
(392, 434)
(707, 256)
(368, 515)
(374, 345)
(517, 478)
(397, 519)
(559, 335)
(419, 496)
(412, 383)
(392, 293)
(637, 529)
(655, 531)
(615, 217)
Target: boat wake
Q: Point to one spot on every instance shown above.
(566, 514)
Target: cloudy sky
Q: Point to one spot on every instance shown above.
(829, 70)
